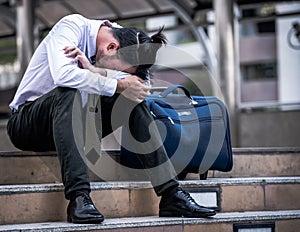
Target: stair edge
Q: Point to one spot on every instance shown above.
(119, 223)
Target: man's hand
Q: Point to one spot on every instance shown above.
(83, 62)
(78, 56)
(133, 87)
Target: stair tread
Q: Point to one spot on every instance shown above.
(130, 222)
(265, 150)
(55, 187)
(236, 151)
(45, 153)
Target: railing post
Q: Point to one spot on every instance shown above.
(25, 38)
(227, 59)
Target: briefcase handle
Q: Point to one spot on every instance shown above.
(170, 89)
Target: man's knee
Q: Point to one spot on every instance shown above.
(65, 92)
(67, 96)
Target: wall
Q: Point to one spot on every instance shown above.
(272, 129)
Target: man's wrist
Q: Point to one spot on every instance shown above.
(101, 71)
(120, 86)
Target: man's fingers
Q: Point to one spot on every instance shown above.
(67, 49)
(145, 94)
(75, 59)
(137, 92)
(72, 51)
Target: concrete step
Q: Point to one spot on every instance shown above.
(25, 167)
(45, 202)
(280, 221)
(261, 161)
(30, 167)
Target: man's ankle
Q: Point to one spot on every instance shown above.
(74, 194)
(171, 191)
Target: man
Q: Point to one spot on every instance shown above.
(48, 101)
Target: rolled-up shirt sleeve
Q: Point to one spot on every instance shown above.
(68, 74)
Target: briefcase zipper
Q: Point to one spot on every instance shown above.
(172, 121)
(165, 117)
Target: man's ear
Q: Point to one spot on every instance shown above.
(112, 46)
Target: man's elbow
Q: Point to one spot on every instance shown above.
(63, 77)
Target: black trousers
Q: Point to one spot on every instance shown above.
(47, 123)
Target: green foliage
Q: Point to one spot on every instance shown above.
(8, 50)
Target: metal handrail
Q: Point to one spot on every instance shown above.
(267, 105)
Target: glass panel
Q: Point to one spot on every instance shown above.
(258, 71)
(130, 8)
(256, 230)
(4, 29)
(92, 9)
(163, 5)
(52, 12)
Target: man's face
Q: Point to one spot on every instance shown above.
(109, 61)
(113, 62)
(107, 51)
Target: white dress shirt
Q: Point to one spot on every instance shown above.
(49, 67)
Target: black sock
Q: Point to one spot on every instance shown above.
(72, 196)
(172, 190)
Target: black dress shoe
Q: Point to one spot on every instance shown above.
(82, 210)
(178, 203)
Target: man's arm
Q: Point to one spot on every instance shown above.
(69, 31)
(130, 86)
(83, 62)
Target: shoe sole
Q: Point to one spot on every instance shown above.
(188, 215)
(85, 221)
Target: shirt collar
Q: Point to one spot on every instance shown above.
(94, 28)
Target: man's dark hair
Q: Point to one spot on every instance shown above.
(139, 49)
